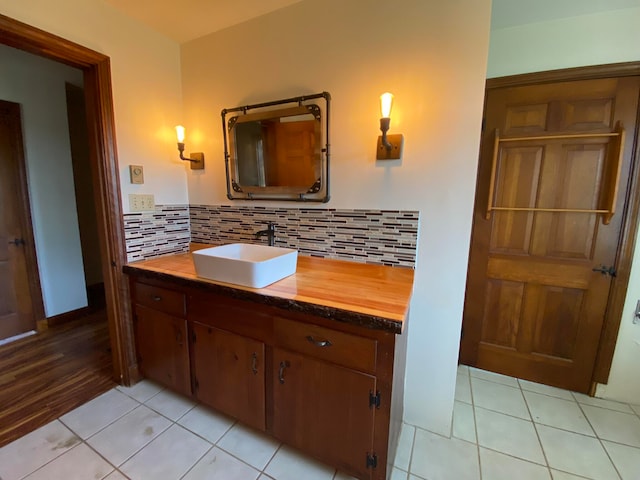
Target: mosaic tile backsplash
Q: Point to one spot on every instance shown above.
(385, 237)
(163, 231)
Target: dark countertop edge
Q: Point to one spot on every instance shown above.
(332, 313)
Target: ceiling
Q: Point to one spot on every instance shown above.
(184, 20)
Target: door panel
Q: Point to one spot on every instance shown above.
(163, 348)
(534, 306)
(323, 409)
(557, 321)
(230, 371)
(16, 308)
(505, 299)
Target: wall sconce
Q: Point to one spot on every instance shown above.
(389, 146)
(196, 159)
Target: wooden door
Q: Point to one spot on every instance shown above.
(16, 305)
(324, 409)
(534, 305)
(162, 346)
(292, 160)
(230, 374)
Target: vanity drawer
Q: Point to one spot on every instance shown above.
(333, 346)
(158, 298)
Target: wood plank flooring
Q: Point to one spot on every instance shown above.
(49, 374)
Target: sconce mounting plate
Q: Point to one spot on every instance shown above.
(395, 153)
(198, 164)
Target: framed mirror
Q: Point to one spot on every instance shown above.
(278, 150)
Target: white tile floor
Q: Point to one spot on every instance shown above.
(503, 429)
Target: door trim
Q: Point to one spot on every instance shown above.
(104, 167)
(627, 244)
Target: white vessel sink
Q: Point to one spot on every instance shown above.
(245, 264)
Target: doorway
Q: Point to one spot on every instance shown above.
(104, 172)
(554, 223)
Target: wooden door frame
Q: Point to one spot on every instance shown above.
(626, 245)
(104, 166)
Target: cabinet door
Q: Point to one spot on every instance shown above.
(323, 409)
(163, 351)
(230, 374)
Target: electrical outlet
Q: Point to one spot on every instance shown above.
(141, 202)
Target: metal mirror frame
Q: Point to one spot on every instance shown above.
(319, 191)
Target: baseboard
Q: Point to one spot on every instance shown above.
(68, 316)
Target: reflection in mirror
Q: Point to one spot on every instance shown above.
(278, 153)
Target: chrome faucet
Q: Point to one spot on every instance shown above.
(270, 232)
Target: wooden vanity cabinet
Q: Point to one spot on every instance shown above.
(317, 384)
(161, 337)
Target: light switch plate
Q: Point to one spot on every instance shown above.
(141, 203)
(136, 173)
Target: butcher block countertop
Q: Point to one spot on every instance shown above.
(372, 296)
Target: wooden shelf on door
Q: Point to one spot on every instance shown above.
(611, 186)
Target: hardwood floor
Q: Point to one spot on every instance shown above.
(47, 375)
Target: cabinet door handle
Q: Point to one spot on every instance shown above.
(319, 343)
(156, 298)
(283, 365)
(179, 337)
(254, 363)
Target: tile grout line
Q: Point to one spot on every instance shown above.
(102, 428)
(615, 467)
(475, 424)
(507, 415)
(52, 460)
(172, 423)
(535, 428)
(198, 460)
(213, 444)
(116, 467)
(520, 418)
(175, 422)
(271, 459)
(84, 441)
(555, 427)
(413, 444)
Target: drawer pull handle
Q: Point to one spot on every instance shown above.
(283, 365)
(254, 363)
(319, 343)
(156, 298)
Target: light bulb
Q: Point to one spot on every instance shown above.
(386, 102)
(180, 133)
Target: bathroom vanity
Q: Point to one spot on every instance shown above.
(316, 360)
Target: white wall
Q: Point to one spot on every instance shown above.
(594, 39)
(39, 86)
(145, 68)
(432, 56)
(600, 38)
